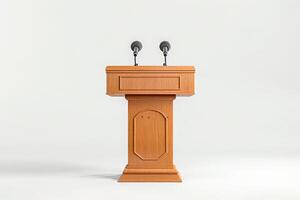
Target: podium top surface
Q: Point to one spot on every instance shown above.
(150, 80)
(150, 68)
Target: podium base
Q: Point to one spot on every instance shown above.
(150, 175)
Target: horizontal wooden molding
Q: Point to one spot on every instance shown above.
(161, 69)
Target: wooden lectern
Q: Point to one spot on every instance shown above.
(150, 91)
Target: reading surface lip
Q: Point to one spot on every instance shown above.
(151, 68)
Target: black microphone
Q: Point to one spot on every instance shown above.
(136, 46)
(165, 46)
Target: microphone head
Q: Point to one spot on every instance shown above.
(136, 45)
(164, 45)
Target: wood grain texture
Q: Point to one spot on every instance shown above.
(150, 134)
(150, 139)
(150, 68)
(149, 83)
(150, 91)
(150, 178)
(122, 80)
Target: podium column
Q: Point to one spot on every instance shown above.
(150, 139)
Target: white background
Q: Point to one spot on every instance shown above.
(61, 137)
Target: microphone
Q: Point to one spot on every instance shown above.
(165, 46)
(136, 46)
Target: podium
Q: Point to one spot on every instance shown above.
(150, 91)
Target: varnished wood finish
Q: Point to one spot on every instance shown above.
(149, 177)
(150, 139)
(150, 80)
(150, 91)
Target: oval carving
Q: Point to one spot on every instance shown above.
(150, 135)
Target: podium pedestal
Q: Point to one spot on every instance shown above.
(150, 92)
(150, 139)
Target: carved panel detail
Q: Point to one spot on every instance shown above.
(150, 129)
(149, 83)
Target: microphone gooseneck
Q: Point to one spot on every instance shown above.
(165, 46)
(136, 46)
